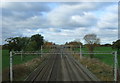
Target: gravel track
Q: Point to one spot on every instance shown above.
(61, 68)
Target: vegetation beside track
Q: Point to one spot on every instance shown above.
(103, 71)
(101, 65)
(21, 71)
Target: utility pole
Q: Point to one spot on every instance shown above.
(11, 70)
(41, 50)
(21, 55)
(115, 66)
(61, 51)
(80, 53)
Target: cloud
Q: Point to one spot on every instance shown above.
(65, 15)
(23, 10)
(84, 20)
(34, 22)
(60, 22)
(109, 19)
(74, 14)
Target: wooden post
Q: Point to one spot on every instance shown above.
(11, 70)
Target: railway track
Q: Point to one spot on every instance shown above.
(61, 68)
(81, 73)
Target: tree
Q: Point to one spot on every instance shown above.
(74, 43)
(38, 39)
(32, 46)
(24, 43)
(12, 43)
(92, 41)
(17, 43)
(106, 45)
(116, 45)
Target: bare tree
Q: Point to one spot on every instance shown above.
(92, 41)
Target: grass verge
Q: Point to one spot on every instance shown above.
(21, 71)
(103, 71)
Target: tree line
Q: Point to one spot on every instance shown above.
(92, 41)
(32, 43)
(35, 42)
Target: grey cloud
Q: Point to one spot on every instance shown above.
(71, 18)
(30, 23)
(65, 22)
(27, 6)
(61, 15)
(8, 32)
(22, 10)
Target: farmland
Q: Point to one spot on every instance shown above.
(16, 58)
(106, 58)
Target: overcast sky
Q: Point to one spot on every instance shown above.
(60, 22)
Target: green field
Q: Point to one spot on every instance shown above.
(106, 58)
(119, 58)
(16, 58)
(0, 60)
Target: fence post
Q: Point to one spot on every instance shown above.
(115, 66)
(41, 50)
(61, 51)
(21, 55)
(80, 53)
(71, 47)
(11, 70)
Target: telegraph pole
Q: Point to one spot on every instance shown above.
(41, 50)
(21, 55)
(80, 53)
(115, 66)
(11, 70)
